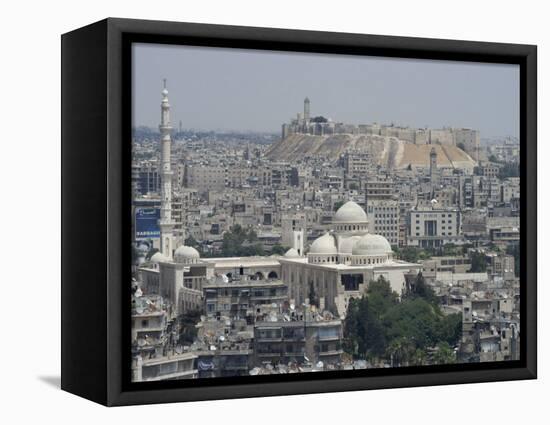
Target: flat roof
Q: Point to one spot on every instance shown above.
(235, 262)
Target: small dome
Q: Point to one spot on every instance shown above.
(292, 253)
(346, 246)
(158, 258)
(350, 212)
(184, 253)
(372, 245)
(323, 245)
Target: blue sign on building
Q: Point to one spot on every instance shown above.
(147, 223)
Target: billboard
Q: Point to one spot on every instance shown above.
(147, 223)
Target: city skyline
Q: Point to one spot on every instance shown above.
(338, 247)
(259, 90)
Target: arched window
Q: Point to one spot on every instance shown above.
(272, 275)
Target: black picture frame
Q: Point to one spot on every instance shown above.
(96, 126)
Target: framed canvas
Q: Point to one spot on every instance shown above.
(382, 236)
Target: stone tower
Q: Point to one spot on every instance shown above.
(306, 109)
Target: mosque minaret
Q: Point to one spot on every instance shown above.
(166, 224)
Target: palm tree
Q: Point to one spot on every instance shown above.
(445, 354)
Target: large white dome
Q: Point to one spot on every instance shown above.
(346, 246)
(350, 212)
(324, 245)
(372, 245)
(184, 253)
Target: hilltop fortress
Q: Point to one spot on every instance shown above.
(388, 145)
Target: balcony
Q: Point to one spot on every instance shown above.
(328, 338)
(277, 339)
(330, 353)
(269, 354)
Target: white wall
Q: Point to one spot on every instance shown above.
(30, 99)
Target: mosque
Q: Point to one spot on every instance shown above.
(338, 265)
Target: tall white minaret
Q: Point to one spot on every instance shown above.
(165, 222)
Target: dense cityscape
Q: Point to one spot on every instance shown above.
(328, 246)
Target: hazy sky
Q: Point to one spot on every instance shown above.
(235, 89)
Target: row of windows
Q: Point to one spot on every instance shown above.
(352, 227)
(442, 214)
(377, 260)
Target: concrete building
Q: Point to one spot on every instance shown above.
(172, 367)
(299, 336)
(452, 264)
(382, 208)
(239, 298)
(433, 227)
(205, 178)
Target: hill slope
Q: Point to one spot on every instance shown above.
(388, 151)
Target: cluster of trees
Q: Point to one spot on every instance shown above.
(380, 326)
(479, 264)
(239, 242)
(507, 169)
(412, 254)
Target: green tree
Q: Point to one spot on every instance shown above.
(401, 351)
(337, 205)
(449, 328)
(419, 358)
(278, 249)
(240, 242)
(191, 241)
(479, 264)
(444, 354)
(381, 297)
(380, 325)
(419, 288)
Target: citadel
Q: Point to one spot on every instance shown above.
(322, 213)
